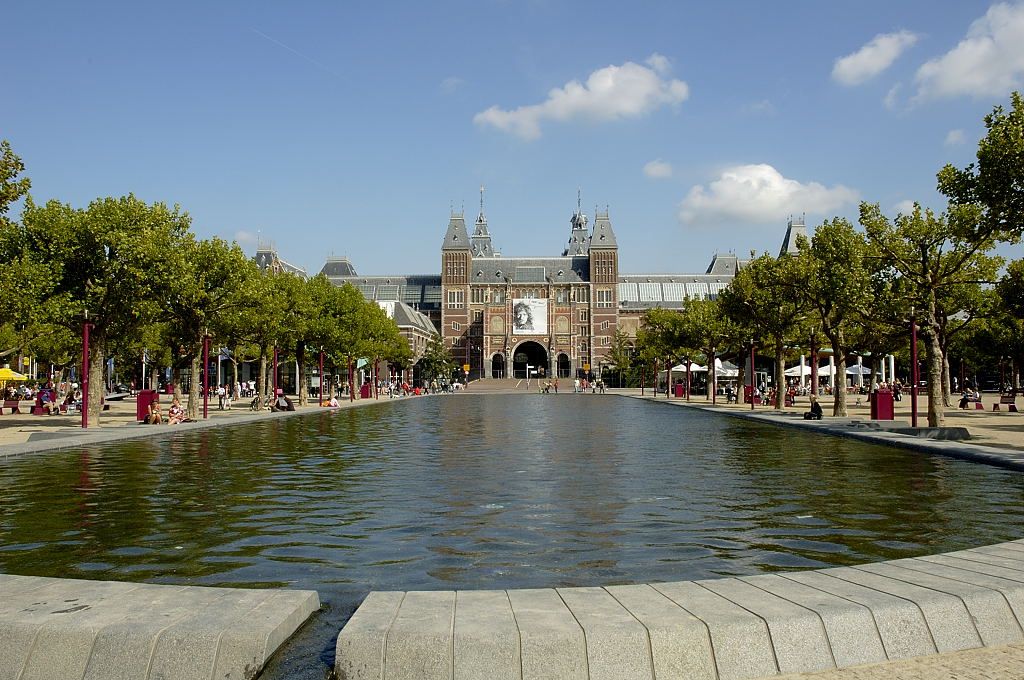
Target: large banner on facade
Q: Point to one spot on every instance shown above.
(529, 316)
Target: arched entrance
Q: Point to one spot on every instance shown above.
(564, 366)
(498, 366)
(530, 354)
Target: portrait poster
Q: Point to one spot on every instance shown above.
(529, 316)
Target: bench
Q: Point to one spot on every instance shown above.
(13, 404)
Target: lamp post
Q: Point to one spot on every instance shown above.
(206, 375)
(85, 369)
(752, 374)
(913, 369)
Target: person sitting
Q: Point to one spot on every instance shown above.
(333, 403)
(815, 412)
(175, 414)
(155, 415)
(46, 400)
(965, 399)
(282, 403)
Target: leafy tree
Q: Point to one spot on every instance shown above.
(834, 277)
(620, 354)
(765, 297)
(935, 255)
(437, 360)
(111, 261)
(995, 184)
(709, 331)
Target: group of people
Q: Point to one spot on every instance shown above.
(580, 385)
(175, 414)
(65, 396)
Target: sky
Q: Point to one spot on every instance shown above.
(354, 128)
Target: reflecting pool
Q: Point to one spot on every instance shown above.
(485, 491)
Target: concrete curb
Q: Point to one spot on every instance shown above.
(68, 628)
(730, 628)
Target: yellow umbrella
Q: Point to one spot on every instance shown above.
(7, 374)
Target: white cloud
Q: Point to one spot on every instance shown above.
(610, 93)
(760, 194)
(954, 137)
(890, 97)
(904, 207)
(245, 238)
(450, 84)
(658, 169)
(989, 62)
(873, 58)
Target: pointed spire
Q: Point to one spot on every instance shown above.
(481, 200)
(579, 198)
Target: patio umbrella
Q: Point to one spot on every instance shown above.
(8, 374)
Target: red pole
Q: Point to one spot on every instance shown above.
(668, 378)
(643, 377)
(321, 377)
(913, 370)
(814, 367)
(85, 371)
(655, 378)
(752, 375)
(206, 377)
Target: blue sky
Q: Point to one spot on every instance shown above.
(352, 128)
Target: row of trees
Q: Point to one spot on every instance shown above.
(856, 290)
(145, 283)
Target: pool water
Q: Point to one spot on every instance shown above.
(485, 491)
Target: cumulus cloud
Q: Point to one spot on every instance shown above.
(759, 193)
(610, 93)
(904, 207)
(873, 58)
(988, 62)
(658, 169)
(955, 137)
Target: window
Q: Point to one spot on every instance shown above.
(456, 326)
(582, 331)
(583, 348)
(478, 316)
(604, 325)
(498, 297)
(560, 296)
(606, 341)
(583, 294)
(456, 299)
(604, 298)
(476, 295)
(584, 315)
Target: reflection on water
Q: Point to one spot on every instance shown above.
(486, 492)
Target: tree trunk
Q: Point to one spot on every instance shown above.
(936, 411)
(97, 359)
(300, 359)
(376, 377)
(195, 387)
(711, 374)
(839, 380)
(154, 379)
(263, 390)
(780, 376)
(741, 378)
(351, 383)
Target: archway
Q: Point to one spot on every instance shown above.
(498, 366)
(564, 366)
(530, 354)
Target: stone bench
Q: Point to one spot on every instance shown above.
(729, 628)
(69, 628)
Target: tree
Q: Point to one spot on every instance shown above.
(708, 330)
(934, 254)
(765, 297)
(110, 261)
(621, 352)
(209, 284)
(834, 278)
(437, 360)
(995, 184)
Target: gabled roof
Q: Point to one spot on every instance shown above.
(338, 266)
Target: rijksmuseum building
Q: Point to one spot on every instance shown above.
(538, 316)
